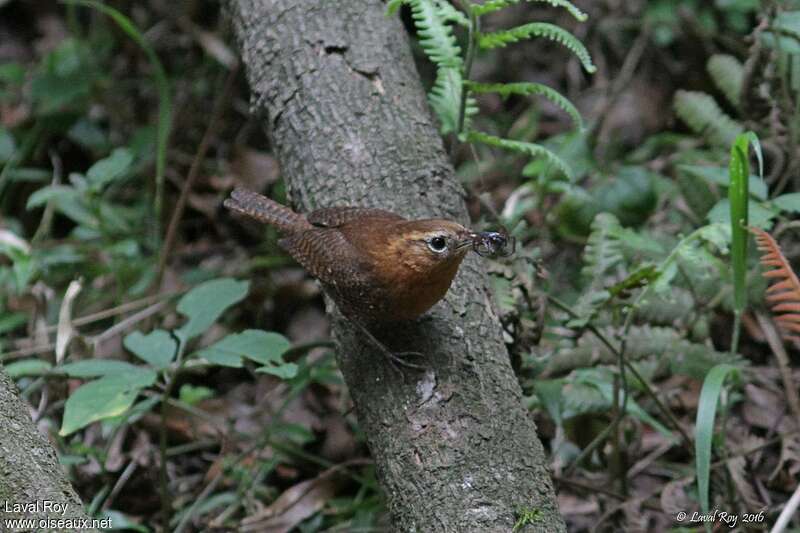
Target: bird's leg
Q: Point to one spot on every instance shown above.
(396, 358)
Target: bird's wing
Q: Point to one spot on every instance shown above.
(334, 217)
(328, 256)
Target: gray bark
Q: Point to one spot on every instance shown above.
(338, 89)
(29, 468)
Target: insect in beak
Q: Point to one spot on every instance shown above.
(493, 243)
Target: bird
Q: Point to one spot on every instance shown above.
(377, 266)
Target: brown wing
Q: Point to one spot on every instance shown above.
(333, 217)
(328, 256)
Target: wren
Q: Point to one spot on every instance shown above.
(377, 266)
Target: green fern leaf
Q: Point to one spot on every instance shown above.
(539, 29)
(603, 250)
(507, 89)
(445, 99)
(728, 74)
(451, 14)
(491, 6)
(437, 40)
(435, 35)
(704, 116)
(531, 149)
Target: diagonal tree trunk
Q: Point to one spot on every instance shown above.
(29, 470)
(454, 447)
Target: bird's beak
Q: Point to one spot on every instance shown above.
(467, 238)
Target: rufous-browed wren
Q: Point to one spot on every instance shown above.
(377, 266)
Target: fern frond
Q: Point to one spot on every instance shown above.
(435, 35)
(704, 116)
(525, 89)
(439, 44)
(491, 6)
(531, 149)
(603, 251)
(539, 29)
(445, 99)
(728, 74)
(451, 14)
(784, 296)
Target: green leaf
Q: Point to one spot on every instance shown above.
(539, 29)
(439, 44)
(158, 348)
(507, 89)
(68, 201)
(204, 304)
(445, 99)
(162, 83)
(112, 167)
(191, 395)
(92, 368)
(704, 116)
(739, 171)
(109, 396)
(728, 75)
(760, 215)
(435, 36)
(490, 6)
(27, 367)
(533, 150)
(704, 427)
(284, 371)
(7, 145)
(788, 202)
(264, 347)
(9, 321)
(719, 176)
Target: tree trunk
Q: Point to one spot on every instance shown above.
(29, 470)
(336, 83)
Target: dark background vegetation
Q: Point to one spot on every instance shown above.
(280, 449)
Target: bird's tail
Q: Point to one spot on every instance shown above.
(265, 210)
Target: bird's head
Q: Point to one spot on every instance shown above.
(430, 246)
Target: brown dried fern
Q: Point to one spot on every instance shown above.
(783, 296)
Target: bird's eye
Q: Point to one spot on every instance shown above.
(438, 244)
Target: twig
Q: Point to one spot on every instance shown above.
(125, 324)
(787, 513)
(169, 241)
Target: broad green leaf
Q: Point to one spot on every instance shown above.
(157, 347)
(112, 167)
(191, 394)
(788, 202)
(550, 393)
(719, 175)
(9, 321)
(704, 427)
(760, 215)
(92, 368)
(27, 367)
(204, 304)
(263, 347)
(284, 371)
(109, 396)
(68, 201)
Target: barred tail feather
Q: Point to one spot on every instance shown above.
(265, 210)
